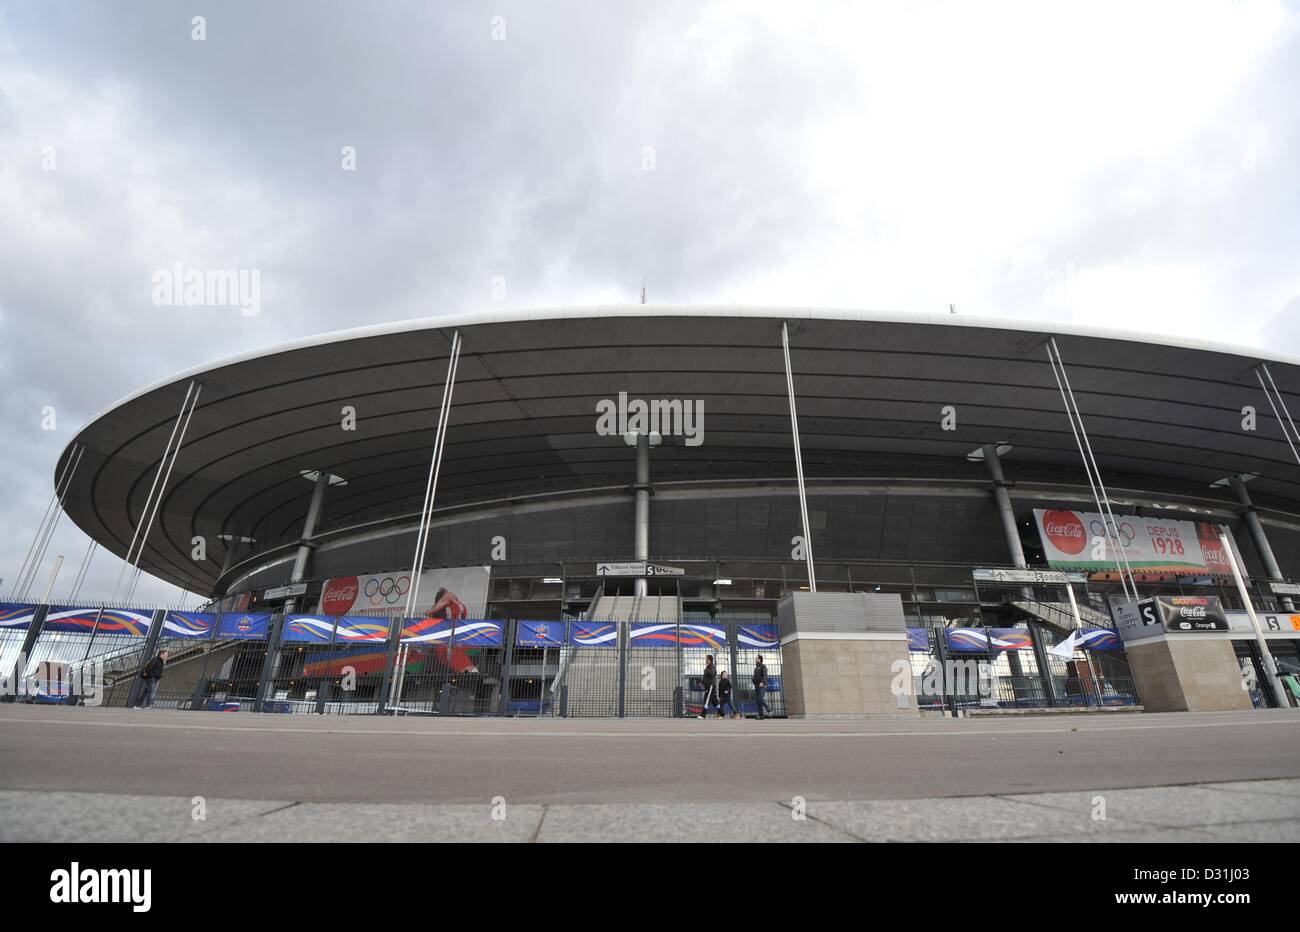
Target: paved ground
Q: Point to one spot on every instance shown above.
(109, 774)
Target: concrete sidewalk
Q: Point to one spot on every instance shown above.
(1265, 810)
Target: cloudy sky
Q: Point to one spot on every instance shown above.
(1132, 164)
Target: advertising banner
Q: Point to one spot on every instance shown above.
(1168, 614)
(237, 627)
(539, 634)
(1188, 612)
(116, 621)
(979, 640)
(652, 634)
(1077, 540)
(189, 625)
(361, 629)
(1099, 639)
(453, 592)
(757, 637)
(311, 629)
(1269, 622)
(593, 634)
(16, 616)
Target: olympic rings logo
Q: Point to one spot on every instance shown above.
(387, 590)
(1124, 530)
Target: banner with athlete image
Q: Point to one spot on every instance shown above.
(450, 592)
(1151, 545)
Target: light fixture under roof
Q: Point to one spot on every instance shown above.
(1227, 480)
(313, 474)
(977, 455)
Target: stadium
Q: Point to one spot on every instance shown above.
(622, 490)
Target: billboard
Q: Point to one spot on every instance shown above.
(1168, 614)
(1077, 540)
(450, 592)
(189, 624)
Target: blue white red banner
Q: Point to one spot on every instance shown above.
(593, 634)
(757, 637)
(243, 627)
(16, 616)
(1099, 639)
(981, 640)
(539, 634)
(189, 625)
(114, 621)
(312, 629)
(652, 634)
(361, 629)
(480, 633)
(696, 635)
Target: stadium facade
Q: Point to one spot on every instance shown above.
(956, 474)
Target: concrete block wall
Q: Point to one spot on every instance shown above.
(1180, 674)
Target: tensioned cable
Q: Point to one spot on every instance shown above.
(1111, 532)
(1281, 423)
(798, 458)
(40, 528)
(54, 523)
(1105, 496)
(161, 492)
(149, 498)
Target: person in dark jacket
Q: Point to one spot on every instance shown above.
(710, 683)
(759, 680)
(725, 707)
(151, 676)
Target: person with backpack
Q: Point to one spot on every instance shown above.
(759, 680)
(725, 707)
(710, 683)
(151, 676)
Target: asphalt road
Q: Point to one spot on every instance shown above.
(359, 759)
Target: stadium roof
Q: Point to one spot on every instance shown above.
(869, 386)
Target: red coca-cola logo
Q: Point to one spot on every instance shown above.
(339, 596)
(1065, 531)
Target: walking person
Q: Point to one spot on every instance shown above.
(759, 680)
(726, 709)
(151, 676)
(710, 683)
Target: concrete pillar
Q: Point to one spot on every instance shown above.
(641, 541)
(1017, 552)
(308, 531)
(1257, 535)
(845, 655)
(1003, 500)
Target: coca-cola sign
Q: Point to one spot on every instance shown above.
(339, 595)
(1065, 531)
(1151, 546)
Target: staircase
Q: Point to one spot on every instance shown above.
(1059, 615)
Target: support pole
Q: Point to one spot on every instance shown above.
(1256, 529)
(798, 458)
(308, 531)
(1003, 500)
(641, 542)
(1270, 668)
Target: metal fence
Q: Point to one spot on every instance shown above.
(573, 668)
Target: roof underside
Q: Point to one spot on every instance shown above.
(523, 418)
